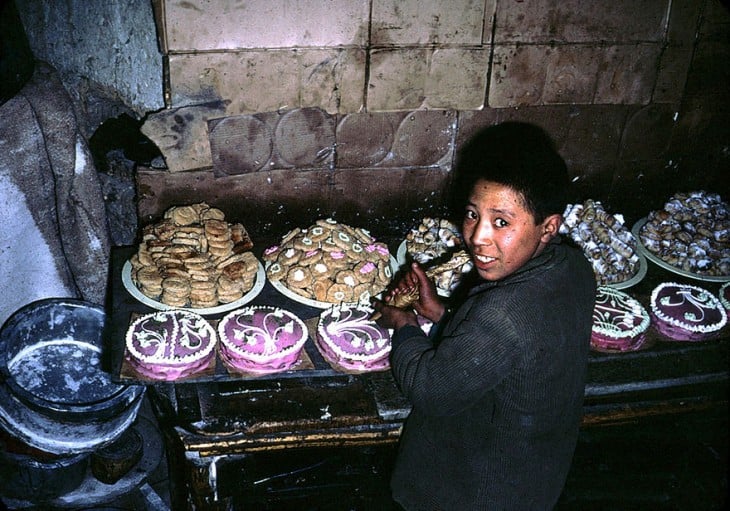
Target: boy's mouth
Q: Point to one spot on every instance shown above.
(484, 259)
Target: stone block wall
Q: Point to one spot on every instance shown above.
(281, 112)
(284, 111)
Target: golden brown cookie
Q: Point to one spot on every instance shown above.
(230, 296)
(235, 270)
(299, 277)
(365, 271)
(338, 293)
(328, 246)
(319, 269)
(311, 257)
(327, 223)
(342, 240)
(216, 228)
(212, 214)
(220, 251)
(184, 215)
(320, 287)
(203, 297)
(275, 272)
(317, 233)
(336, 260)
(362, 293)
(173, 300)
(290, 235)
(289, 257)
(384, 274)
(364, 236)
(175, 285)
(270, 254)
(304, 243)
(346, 277)
(377, 251)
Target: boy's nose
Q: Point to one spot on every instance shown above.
(482, 235)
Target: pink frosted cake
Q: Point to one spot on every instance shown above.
(686, 313)
(619, 321)
(724, 295)
(260, 339)
(169, 345)
(349, 339)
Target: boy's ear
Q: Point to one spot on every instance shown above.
(551, 227)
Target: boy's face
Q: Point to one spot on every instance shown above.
(500, 233)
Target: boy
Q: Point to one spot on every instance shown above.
(497, 393)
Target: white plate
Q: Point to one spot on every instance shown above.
(400, 256)
(258, 285)
(280, 287)
(662, 263)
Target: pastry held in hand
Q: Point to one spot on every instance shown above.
(459, 259)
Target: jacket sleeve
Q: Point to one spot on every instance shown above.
(476, 352)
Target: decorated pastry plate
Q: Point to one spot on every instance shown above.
(280, 287)
(663, 264)
(258, 285)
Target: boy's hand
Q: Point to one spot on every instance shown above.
(429, 304)
(416, 289)
(388, 316)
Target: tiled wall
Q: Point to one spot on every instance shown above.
(284, 111)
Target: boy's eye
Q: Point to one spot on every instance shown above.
(471, 215)
(500, 222)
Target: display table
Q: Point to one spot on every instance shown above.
(215, 428)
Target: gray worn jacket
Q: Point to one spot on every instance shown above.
(497, 397)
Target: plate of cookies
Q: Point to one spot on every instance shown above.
(194, 259)
(329, 263)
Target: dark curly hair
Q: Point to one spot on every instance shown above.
(519, 155)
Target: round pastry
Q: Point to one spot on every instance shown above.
(168, 345)
(686, 313)
(261, 339)
(350, 340)
(724, 295)
(620, 322)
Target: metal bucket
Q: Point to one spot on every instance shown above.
(35, 476)
(57, 396)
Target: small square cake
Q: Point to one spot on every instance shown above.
(261, 339)
(169, 345)
(724, 295)
(620, 322)
(350, 340)
(686, 313)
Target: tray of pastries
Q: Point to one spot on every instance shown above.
(329, 263)
(608, 244)
(196, 260)
(689, 236)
